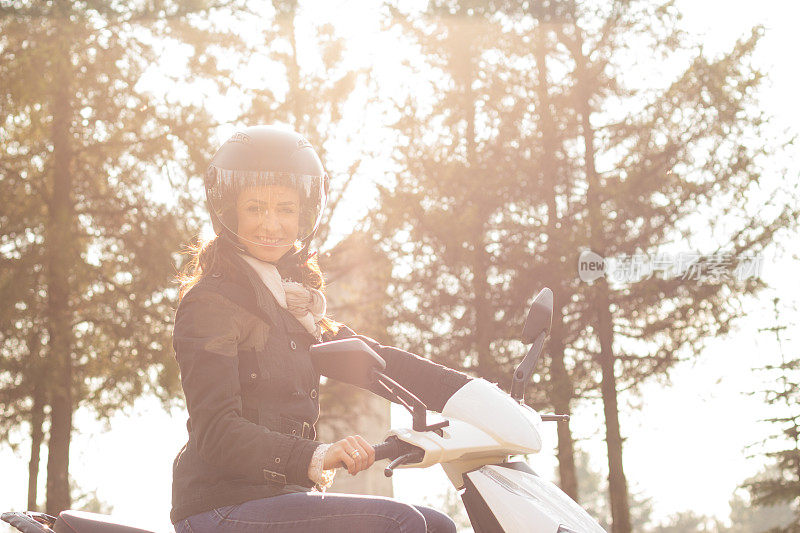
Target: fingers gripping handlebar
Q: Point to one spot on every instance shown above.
(393, 448)
(398, 452)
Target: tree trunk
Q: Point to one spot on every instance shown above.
(562, 395)
(59, 247)
(487, 366)
(484, 314)
(38, 378)
(37, 436)
(561, 385)
(617, 485)
(295, 94)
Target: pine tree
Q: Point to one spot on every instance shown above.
(442, 221)
(88, 247)
(779, 485)
(748, 518)
(490, 167)
(484, 205)
(654, 175)
(500, 186)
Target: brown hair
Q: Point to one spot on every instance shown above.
(215, 257)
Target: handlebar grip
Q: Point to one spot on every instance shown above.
(398, 452)
(386, 450)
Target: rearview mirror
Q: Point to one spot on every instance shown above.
(540, 316)
(536, 329)
(347, 360)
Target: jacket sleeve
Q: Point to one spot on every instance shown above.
(205, 339)
(432, 383)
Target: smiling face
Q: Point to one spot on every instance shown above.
(268, 219)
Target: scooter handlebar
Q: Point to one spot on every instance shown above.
(385, 450)
(398, 452)
(392, 448)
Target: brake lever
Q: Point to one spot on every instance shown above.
(389, 470)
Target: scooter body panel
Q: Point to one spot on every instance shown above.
(524, 502)
(484, 424)
(486, 407)
(459, 441)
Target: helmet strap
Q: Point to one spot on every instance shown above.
(230, 239)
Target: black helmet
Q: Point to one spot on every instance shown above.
(264, 161)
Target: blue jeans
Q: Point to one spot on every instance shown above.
(310, 511)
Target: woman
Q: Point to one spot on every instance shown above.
(251, 306)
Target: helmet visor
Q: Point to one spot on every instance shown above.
(266, 208)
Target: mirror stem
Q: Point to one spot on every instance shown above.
(523, 372)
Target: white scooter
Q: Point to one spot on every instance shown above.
(482, 427)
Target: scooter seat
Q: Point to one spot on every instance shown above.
(83, 522)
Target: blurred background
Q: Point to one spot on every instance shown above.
(479, 151)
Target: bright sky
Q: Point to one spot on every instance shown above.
(685, 444)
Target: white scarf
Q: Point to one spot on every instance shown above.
(306, 304)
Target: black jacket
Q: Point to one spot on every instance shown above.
(252, 394)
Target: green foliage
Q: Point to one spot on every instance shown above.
(779, 485)
(533, 136)
(747, 517)
(471, 202)
(686, 522)
(123, 236)
(91, 219)
(450, 219)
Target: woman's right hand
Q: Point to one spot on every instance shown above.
(353, 452)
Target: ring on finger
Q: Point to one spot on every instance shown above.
(355, 454)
